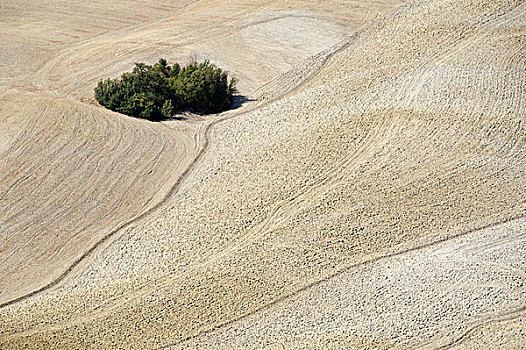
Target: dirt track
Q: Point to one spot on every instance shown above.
(309, 220)
(109, 30)
(49, 216)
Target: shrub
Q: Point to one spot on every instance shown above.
(157, 92)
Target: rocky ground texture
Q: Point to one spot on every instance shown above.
(372, 197)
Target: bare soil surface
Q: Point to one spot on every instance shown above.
(371, 197)
(401, 301)
(74, 174)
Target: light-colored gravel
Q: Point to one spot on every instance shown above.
(397, 302)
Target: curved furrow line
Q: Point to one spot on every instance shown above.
(181, 147)
(57, 163)
(58, 186)
(461, 45)
(113, 39)
(464, 232)
(58, 210)
(22, 142)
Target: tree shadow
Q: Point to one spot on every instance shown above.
(239, 100)
(181, 116)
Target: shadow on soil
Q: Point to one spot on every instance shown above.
(238, 101)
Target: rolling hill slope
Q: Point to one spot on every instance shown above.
(71, 175)
(375, 201)
(77, 175)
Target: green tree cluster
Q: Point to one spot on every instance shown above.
(157, 92)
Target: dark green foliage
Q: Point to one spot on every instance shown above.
(203, 87)
(157, 92)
